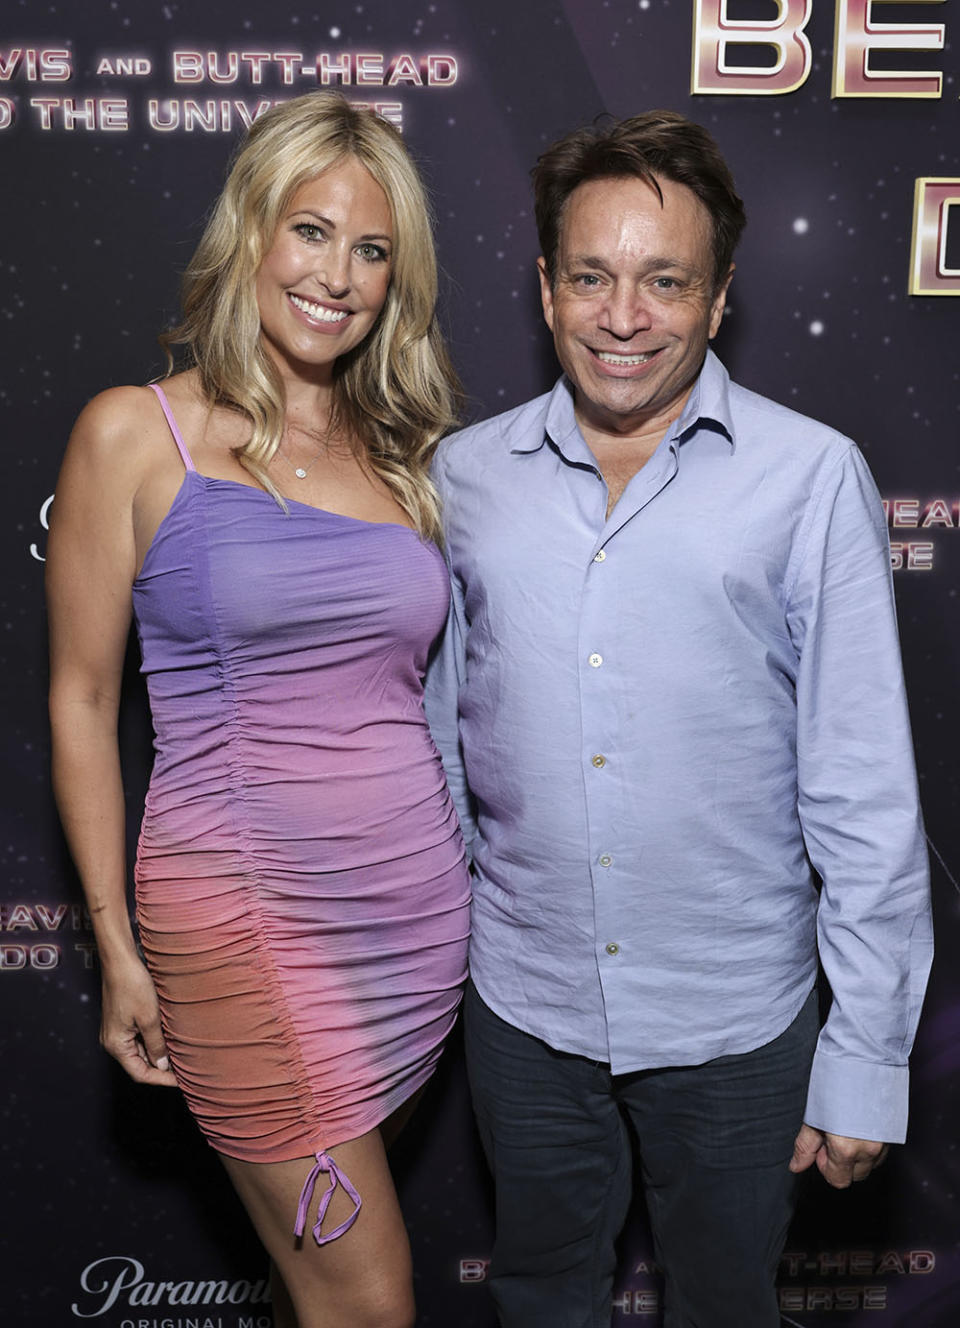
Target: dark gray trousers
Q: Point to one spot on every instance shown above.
(714, 1144)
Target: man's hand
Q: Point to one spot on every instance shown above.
(839, 1160)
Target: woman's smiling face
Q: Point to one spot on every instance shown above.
(324, 279)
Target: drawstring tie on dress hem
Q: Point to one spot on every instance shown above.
(325, 1163)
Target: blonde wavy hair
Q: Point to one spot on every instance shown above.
(395, 393)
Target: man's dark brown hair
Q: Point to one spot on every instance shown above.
(658, 143)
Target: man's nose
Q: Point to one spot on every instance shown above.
(626, 311)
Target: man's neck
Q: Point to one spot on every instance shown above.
(620, 454)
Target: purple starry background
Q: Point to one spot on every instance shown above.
(95, 228)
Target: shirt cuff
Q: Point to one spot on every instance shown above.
(858, 1099)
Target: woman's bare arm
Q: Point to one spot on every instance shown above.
(91, 565)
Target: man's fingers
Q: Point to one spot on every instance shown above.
(834, 1171)
(806, 1146)
(841, 1161)
(881, 1157)
(844, 1161)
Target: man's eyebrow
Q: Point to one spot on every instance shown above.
(585, 260)
(652, 264)
(677, 264)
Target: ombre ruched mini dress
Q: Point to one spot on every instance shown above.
(302, 893)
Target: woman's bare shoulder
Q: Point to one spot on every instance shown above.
(115, 409)
(124, 424)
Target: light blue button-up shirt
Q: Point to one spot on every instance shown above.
(684, 731)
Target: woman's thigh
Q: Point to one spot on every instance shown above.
(363, 1278)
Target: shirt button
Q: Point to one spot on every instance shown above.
(612, 948)
(595, 661)
(598, 760)
(605, 859)
(600, 557)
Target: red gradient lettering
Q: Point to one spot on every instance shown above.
(38, 65)
(403, 69)
(196, 66)
(15, 958)
(90, 113)
(340, 68)
(714, 31)
(936, 206)
(906, 512)
(87, 951)
(858, 34)
(912, 556)
(369, 69)
(210, 117)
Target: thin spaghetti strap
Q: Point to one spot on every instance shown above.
(177, 436)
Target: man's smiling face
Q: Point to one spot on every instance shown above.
(633, 302)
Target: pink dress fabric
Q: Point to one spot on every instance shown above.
(302, 894)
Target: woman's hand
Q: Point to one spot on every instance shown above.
(91, 565)
(130, 1026)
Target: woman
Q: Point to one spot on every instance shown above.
(301, 890)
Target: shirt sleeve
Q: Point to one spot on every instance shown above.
(858, 808)
(446, 672)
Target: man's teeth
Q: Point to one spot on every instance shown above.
(318, 311)
(623, 361)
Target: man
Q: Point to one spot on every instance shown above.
(683, 728)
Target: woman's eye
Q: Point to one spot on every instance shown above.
(309, 231)
(372, 253)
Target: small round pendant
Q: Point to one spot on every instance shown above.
(300, 473)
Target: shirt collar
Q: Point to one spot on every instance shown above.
(708, 407)
(560, 426)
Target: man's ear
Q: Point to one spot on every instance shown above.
(546, 292)
(720, 303)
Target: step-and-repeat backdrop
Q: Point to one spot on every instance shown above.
(841, 122)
